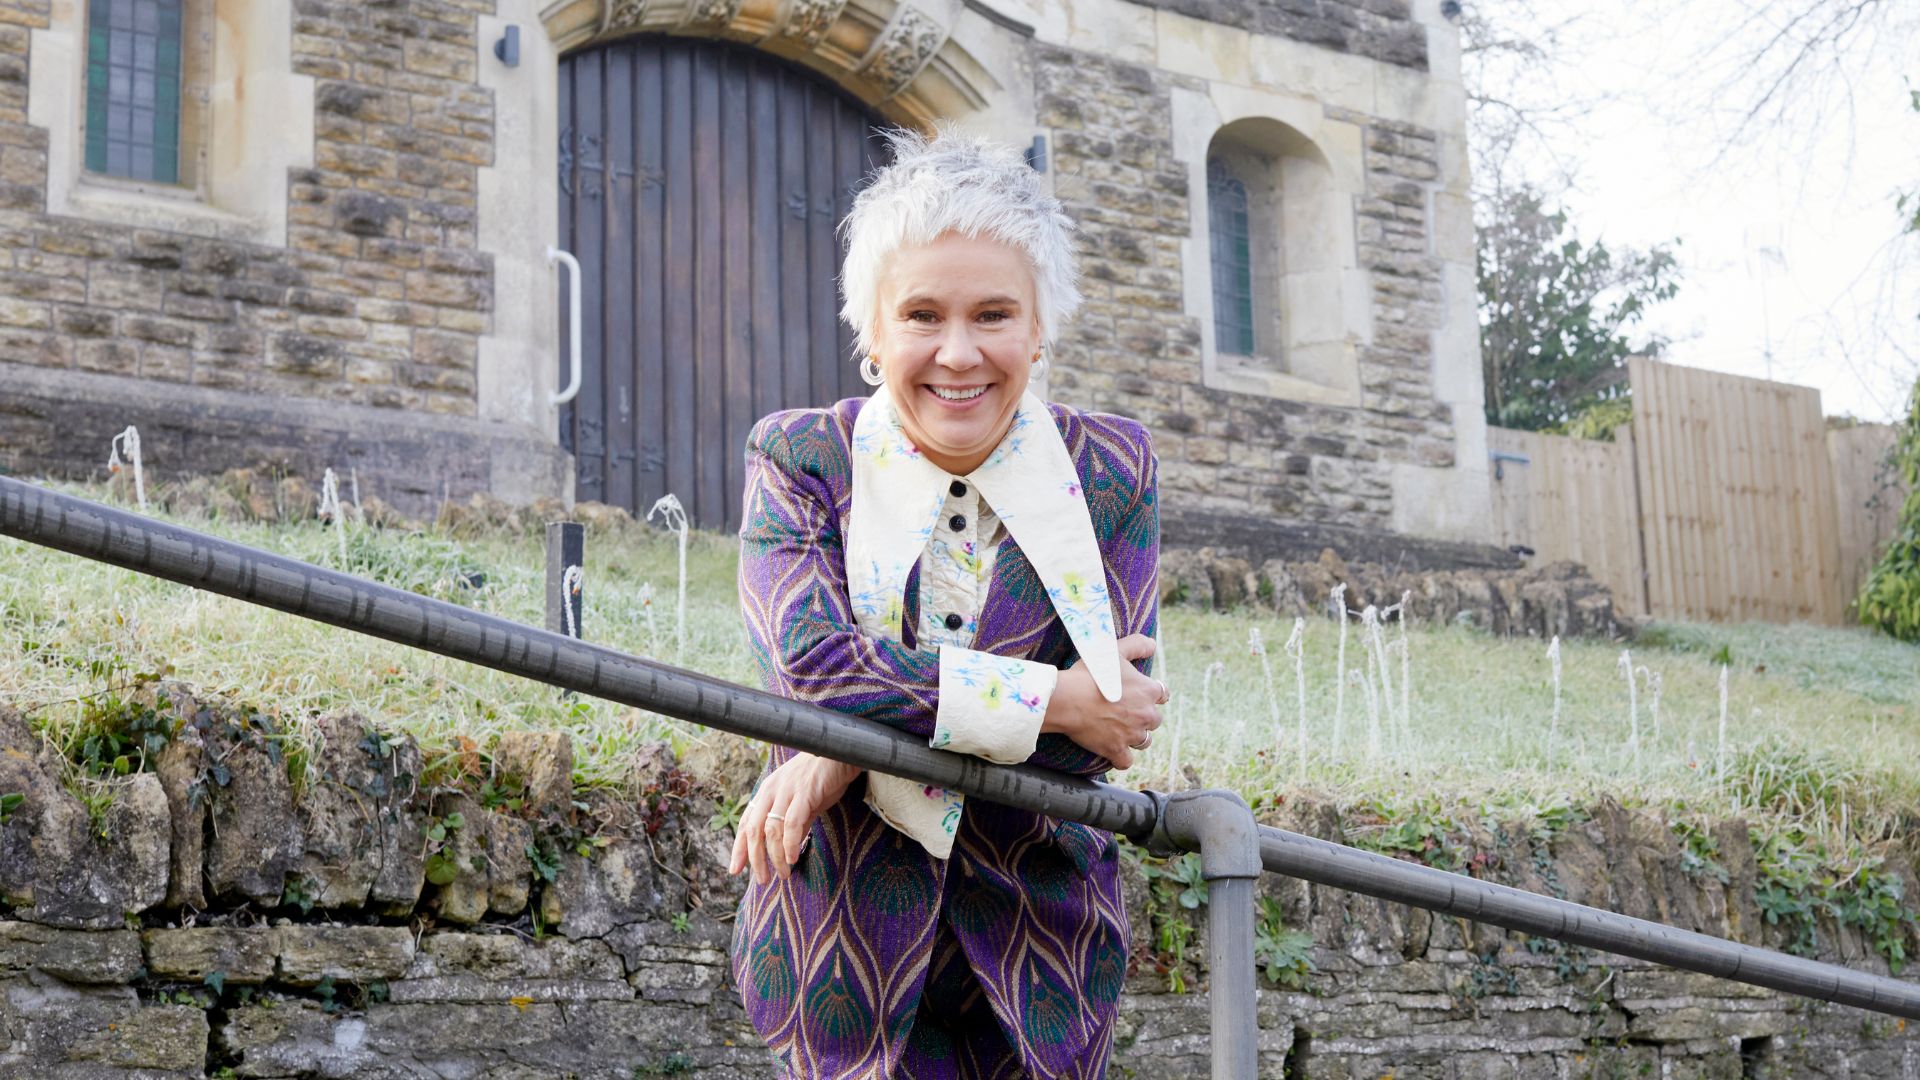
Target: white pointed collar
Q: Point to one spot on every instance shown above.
(1029, 480)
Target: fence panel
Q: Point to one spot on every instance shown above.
(1573, 499)
(1737, 497)
(1727, 499)
(1866, 499)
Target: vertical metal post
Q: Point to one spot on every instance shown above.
(566, 547)
(1231, 993)
(1220, 826)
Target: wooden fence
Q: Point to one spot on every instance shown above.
(1727, 499)
(1572, 499)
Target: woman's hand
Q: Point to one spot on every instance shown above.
(777, 818)
(1112, 729)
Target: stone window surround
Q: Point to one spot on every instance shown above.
(257, 123)
(1323, 311)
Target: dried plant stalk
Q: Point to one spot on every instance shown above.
(1553, 725)
(1297, 648)
(1633, 707)
(675, 518)
(129, 440)
(331, 511)
(1258, 648)
(1338, 598)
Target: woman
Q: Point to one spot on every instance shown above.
(955, 558)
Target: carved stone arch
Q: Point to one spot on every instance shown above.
(897, 56)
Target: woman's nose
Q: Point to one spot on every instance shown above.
(958, 349)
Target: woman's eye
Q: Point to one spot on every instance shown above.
(993, 316)
(921, 316)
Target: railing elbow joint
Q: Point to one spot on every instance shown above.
(1216, 823)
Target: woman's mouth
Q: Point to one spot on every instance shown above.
(957, 396)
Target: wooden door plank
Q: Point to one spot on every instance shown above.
(796, 316)
(853, 162)
(736, 201)
(651, 279)
(618, 285)
(770, 389)
(569, 239)
(590, 203)
(680, 359)
(709, 481)
(823, 249)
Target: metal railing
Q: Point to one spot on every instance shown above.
(1217, 824)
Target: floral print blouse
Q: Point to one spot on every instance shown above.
(906, 511)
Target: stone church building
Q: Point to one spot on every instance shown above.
(329, 233)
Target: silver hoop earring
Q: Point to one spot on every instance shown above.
(870, 370)
(1042, 363)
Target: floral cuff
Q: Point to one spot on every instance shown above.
(930, 815)
(991, 706)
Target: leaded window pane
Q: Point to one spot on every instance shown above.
(1232, 261)
(133, 88)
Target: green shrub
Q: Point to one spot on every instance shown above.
(1890, 599)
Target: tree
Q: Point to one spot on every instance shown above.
(1556, 315)
(1890, 598)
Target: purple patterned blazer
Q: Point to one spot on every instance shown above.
(832, 962)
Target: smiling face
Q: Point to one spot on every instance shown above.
(956, 333)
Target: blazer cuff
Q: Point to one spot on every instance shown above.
(930, 815)
(991, 706)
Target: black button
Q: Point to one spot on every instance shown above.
(957, 522)
(954, 620)
(956, 489)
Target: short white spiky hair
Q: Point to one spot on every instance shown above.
(963, 184)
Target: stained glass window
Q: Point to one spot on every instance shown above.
(133, 88)
(1232, 261)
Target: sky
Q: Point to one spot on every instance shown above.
(1793, 263)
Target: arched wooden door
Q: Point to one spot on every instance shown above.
(701, 187)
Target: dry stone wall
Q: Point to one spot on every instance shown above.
(222, 921)
(1558, 599)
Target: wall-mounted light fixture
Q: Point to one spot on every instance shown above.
(1037, 154)
(508, 47)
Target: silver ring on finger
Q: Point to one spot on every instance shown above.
(775, 815)
(1146, 740)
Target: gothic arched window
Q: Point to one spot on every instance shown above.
(1228, 228)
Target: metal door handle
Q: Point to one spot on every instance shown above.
(554, 255)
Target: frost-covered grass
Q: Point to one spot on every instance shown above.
(1821, 723)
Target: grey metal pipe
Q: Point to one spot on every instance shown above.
(1374, 875)
(167, 551)
(135, 542)
(1220, 826)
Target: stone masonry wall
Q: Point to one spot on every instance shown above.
(1134, 350)
(1377, 29)
(386, 923)
(379, 296)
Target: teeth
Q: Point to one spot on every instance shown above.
(958, 395)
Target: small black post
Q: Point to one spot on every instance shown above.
(566, 549)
